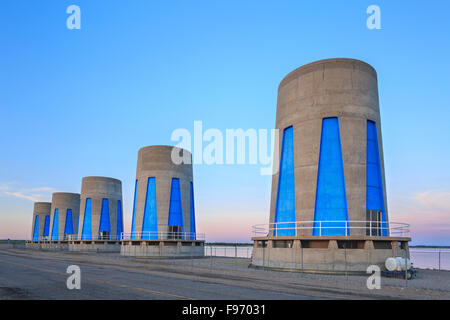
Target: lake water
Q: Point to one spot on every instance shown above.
(424, 258)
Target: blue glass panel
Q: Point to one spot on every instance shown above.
(285, 206)
(150, 223)
(87, 225)
(46, 226)
(193, 235)
(78, 221)
(36, 229)
(119, 220)
(175, 209)
(374, 189)
(55, 227)
(331, 198)
(133, 222)
(68, 228)
(105, 224)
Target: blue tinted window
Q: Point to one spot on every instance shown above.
(285, 206)
(68, 228)
(192, 212)
(119, 220)
(374, 184)
(87, 227)
(55, 227)
(46, 226)
(150, 223)
(133, 222)
(105, 224)
(175, 209)
(331, 198)
(36, 229)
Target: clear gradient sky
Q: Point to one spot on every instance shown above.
(76, 103)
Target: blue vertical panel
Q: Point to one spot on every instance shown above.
(119, 228)
(285, 206)
(68, 228)
(331, 198)
(36, 229)
(193, 234)
(175, 209)
(55, 228)
(46, 232)
(105, 224)
(374, 184)
(87, 222)
(133, 222)
(150, 223)
(78, 221)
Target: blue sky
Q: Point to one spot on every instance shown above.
(75, 103)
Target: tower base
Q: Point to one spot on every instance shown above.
(163, 248)
(326, 254)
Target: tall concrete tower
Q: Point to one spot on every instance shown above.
(41, 220)
(101, 209)
(64, 216)
(329, 194)
(331, 166)
(164, 195)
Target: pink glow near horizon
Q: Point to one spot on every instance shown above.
(428, 213)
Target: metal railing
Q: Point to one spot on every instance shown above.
(323, 228)
(437, 259)
(229, 251)
(160, 235)
(70, 237)
(126, 236)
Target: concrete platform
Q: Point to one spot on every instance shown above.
(326, 254)
(94, 246)
(75, 246)
(47, 246)
(163, 248)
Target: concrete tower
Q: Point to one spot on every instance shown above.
(41, 221)
(329, 193)
(331, 151)
(64, 216)
(164, 195)
(101, 209)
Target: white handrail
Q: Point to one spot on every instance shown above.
(162, 235)
(320, 228)
(72, 237)
(126, 236)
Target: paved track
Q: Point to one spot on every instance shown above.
(30, 275)
(33, 274)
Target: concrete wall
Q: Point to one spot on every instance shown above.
(48, 246)
(98, 188)
(64, 201)
(41, 209)
(94, 247)
(173, 249)
(156, 161)
(343, 88)
(329, 259)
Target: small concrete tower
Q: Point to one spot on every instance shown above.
(41, 221)
(163, 221)
(101, 209)
(64, 216)
(164, 195)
